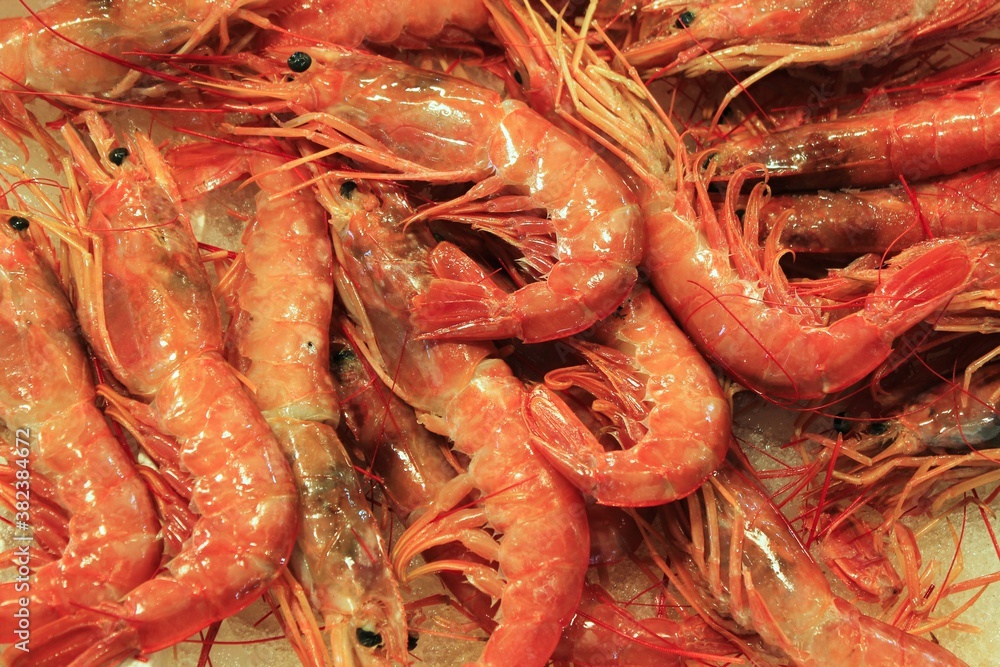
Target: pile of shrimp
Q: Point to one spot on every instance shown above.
(495, 332)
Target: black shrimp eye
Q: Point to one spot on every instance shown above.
(411, 642)
(841, 425)
(18, 223)
(118, 155)
(347, 188)
(369, 639)
(517, 77)
(878, 428)
(685, 19)
(299, 61)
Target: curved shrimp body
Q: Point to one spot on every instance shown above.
(771, 584)
(478, 403)
(880, 220)
(733, 34)
(406, 25)
(47, 400)
(444, 129)
(687, 425)
(146, 305)
(768, 339)
(279, 341)
(918, 141)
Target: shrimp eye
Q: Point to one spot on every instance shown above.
(299, 61)
(685, 19)
(411, 642)
(878, 428)
(841, 425)
(347, 354)
(18, 223)
(369, 639)
(517, 77)
(118, 155)
(347, 188)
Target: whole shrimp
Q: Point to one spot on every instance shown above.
(406, 457)
(763, 578)
(918, 141)
(885, 219)
(146, 307)
(279, 342)
(655, 386)
(695, 37)
(47, 400)
(436, 128)
(477, 402)
(728, 295)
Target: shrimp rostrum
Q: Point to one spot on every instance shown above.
(419, 125)
(146, 307)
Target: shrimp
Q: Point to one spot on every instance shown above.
(602, 633)
(885, 219)
(652, 375)
(477, 402)
(766, 581)
(736, 307)
(84, 48)
(280, 343)
(725, 35)
(918, 141)
(407, 458)
(442, 129)
(406, 25)
(146, 307)
(47, 400)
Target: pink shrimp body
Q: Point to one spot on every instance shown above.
(47, 401)
(769, 583)
(732, 34)
(478, 403)
(279, 340)
(444, 129)
(674, 395)
(880, 220)
(146, 306)
(405, 24)
(918, 141)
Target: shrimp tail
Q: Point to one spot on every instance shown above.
(921, 286)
